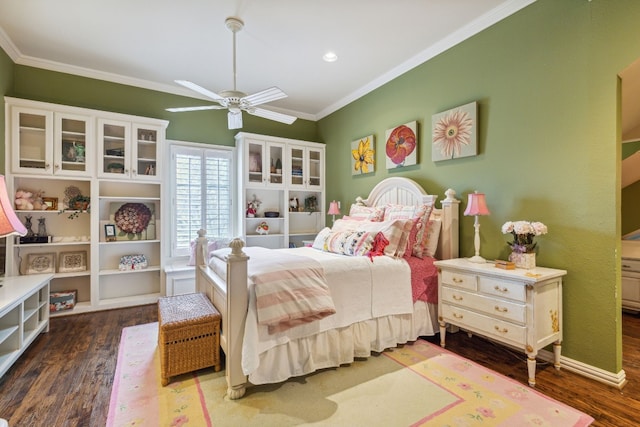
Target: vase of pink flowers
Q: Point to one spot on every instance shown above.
(523, 246)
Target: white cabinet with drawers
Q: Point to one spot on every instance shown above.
(519, 308)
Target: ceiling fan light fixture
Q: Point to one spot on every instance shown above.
(234, 119)
(234, 100)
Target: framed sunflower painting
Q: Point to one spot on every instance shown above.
(401, 146)
(363, 156)
(455, 133)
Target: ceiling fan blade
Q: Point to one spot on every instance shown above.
(202, 107)
(234, 120)
(272, 115)
(194, 87)
(265, 96)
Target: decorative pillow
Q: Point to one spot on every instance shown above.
(433, 234)
(394, 231)
(351, 243)
(369, 213)
(420, 214)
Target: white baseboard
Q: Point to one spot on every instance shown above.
(618, 380)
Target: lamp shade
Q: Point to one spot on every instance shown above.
(9, 221)
(476, 205)
(333, 208)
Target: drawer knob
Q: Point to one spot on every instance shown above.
(458, 316)
(501, 309)
(499, 289)
(501, 330)
(458, 298)
(456, 280)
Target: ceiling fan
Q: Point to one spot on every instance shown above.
(235, 101)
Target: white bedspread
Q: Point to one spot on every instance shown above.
(360, 289)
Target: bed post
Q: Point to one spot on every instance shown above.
(450, 225)
(201, 256)
(233, 328)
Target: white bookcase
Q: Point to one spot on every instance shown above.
(300, 177)
(120, 162)
(24, 313)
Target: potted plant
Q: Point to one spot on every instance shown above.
(79, 202)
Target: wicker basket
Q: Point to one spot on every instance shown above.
(188, 336)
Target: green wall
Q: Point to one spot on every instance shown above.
(549, 150)
(549, 146)
(202, 126)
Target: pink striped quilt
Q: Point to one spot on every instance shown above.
(290, 289)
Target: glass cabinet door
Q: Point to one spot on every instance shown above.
(264, 163)
(145, 153)
(315, 168)
(276, 156)
(113, 138)
(307, 166)
(72, 153)
(32, 139)
(254, 157)
(296, 163)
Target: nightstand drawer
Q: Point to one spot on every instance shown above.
(493, 307)
(503, 288)
(492, 328)
(460, 280)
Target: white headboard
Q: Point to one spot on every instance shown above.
(405, 191)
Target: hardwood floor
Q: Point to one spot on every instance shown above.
(65, 377)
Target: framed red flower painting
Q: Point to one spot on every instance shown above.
(455, 133)
(401, 147)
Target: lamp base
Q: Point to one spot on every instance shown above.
(477, 259)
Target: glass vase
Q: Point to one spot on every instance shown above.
(523, 260)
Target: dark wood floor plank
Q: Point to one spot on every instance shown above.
(65, 377)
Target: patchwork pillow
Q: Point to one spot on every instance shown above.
(369, 213)
(351, 243)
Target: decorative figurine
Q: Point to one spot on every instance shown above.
(27, 224)
(42, 227)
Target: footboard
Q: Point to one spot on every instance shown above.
(230, 296)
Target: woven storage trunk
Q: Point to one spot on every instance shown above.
(188, 336)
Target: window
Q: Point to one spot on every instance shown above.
(202, 194)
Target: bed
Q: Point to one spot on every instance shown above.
(381, 316)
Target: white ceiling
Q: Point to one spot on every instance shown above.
(151, 43)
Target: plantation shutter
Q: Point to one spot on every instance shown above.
(202, 197)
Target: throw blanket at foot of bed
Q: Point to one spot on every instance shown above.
(290, 289)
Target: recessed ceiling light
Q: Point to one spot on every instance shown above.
(330, 57)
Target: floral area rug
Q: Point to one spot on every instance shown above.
(417, 385)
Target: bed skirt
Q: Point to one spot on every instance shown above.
(341, 346)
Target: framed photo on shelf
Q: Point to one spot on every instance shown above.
(72, 262)
(110, 232)
(41, 263)
(51, 203)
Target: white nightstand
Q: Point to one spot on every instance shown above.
(519, 308)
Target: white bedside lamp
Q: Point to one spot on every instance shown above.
(9, 222)
(476, 206)
(334, 210)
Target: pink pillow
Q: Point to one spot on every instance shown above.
(420, 215)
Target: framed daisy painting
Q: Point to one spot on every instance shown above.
(455, 133)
